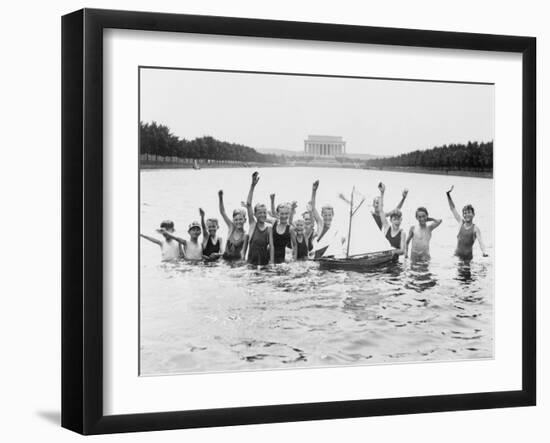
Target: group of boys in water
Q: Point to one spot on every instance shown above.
(271, 232)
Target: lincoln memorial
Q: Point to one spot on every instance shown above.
(326, 146)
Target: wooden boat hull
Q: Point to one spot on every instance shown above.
(359, 263)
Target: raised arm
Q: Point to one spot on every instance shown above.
(151, 239)
(457, 216)
(203, 224)
(227, 220)
(273, 211)
(204, 229)
(435, 223)
(180, 240)
(403, 198)
(481, 243)
(255, 179)
(293, 207)
(316, 215)
(381, 213)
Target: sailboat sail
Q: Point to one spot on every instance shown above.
(365, 237)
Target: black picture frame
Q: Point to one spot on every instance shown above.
(82, 220)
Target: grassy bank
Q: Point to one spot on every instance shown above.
(461, 173)
(144, 165)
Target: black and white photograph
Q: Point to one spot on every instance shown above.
(275, 222)
(305, 221)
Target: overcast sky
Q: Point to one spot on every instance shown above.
(383, 117)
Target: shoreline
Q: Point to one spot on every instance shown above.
(415, 170)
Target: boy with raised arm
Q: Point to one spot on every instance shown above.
(420, 235)
(260, 246)
(392, 230)
(273, 215)
(169, 248)
(237, 239)
(192, 248)
(212, 244)
(327, 240)
(468, 232)
(376, 211)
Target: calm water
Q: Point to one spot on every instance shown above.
(216, 317)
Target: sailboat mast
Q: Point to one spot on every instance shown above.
(350, 217)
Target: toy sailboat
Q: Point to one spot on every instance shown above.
(366, 245)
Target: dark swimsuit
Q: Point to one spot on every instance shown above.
(211, 248)
(394, 241)
(258, 249)
(233, 249)
(303, 248)
(466, 240)
(280, 242)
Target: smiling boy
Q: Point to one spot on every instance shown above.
(420, 235)
(468, 232)
(192, 248)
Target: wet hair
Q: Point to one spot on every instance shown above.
(396, 213)
(212, 220)
(300, 220)
(469, 208)
(421, 209)
(167, 224)
(257, 206)
(329, 207)
(306, 213)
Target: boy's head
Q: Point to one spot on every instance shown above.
(239, 217)
(260, 211)
(194, 230)
(327, 213)
(396, 217)
(468, 213)
(168, 225)
(421, 215)
(283, 212)
(212, 225)
(299, 226)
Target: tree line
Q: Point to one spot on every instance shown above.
(158, 140)
(473, 156)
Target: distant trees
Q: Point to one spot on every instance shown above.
(157, 139)
(473, 156)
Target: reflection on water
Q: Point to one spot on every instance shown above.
(419, 276)
(227, 316)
